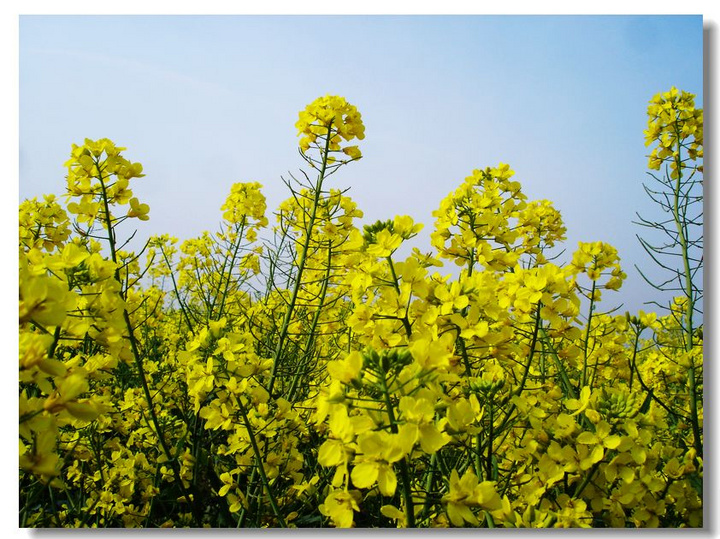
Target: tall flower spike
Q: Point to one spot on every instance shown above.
(328, 121)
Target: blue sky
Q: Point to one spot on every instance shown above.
(206, 101)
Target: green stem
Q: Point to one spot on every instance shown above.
(587, 333)
(138, 358)
(533, 344)
(259, 464)
(302, 371)
(177, 293)
(429, 480)
(690, 307)
(567, 386)
(248, 496)
(56, 339)
(29, 416)
(586, 480)
(396, 286)
(477, 463)
(232, 263)
(464, 354)
(652, 395)
(633, 361)
(488, 461)
(277, 356)
(404, 474)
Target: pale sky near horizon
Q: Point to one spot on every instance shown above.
(206, 101)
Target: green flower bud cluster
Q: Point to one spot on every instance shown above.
(393, 359)
(487, 387)
(618, 405)
(371, 231)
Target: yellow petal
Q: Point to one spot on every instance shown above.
(82, 410)
(365, 474)
(387, 480)
(587, 438)
(331, 453)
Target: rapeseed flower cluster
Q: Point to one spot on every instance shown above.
(303, 374)
(326, 123)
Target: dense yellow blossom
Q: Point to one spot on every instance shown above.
(305, 374)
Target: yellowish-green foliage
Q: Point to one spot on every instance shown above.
(301, 374)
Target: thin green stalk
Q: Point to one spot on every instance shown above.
(463, 353)
(232, 264)
(396, 286)
(259, 464)
(681, 230)
(690, 307)
(488, 461)
(429, 480)
(301, 266)
(205, 296)
(251, 487)
(177, 293)
(569, 390)
(531, 355)
(634, 357)
(586, 479)
(311, 334)
(404, 473)
(29, 416)
(652, 395)
(138, 358)
(587, 334)
(56, 339)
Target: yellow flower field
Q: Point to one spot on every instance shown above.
(291, 369)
